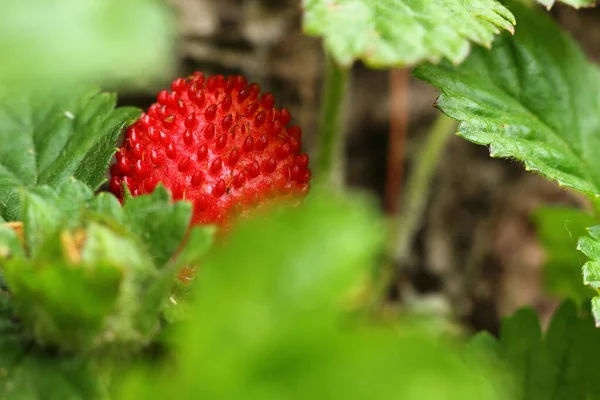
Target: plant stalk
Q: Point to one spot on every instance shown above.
(407, 221)
(399, 98)
(329, 159)
(418, 185)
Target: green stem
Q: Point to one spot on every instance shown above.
(412, 204)
(330, 122)
(418, 185)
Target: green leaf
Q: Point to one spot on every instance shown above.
(522, 349)
(44, 210)
(92, 273)
(79, 293)
(558, 365)
(269, 320)
(12, 344)
(568, 340)
(484, 341)
(160, 223)
(43, 376)
(534, 97)
(27, 372)
(176, 308)
(199, 241)
(106, 204)
(558, 229)
(50, 136)
(10, 246)
(590, 247)
(324, 255)
(111, 41)
(85, 287)
(389, 33)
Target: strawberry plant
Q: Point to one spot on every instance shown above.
(187, 251)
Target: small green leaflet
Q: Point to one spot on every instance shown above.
(533, 97)
(158, 225)
(49, 136)
(387, 33)
(561, 364)
(590, 246)
(558, 229)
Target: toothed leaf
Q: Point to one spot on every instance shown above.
(50, 136)
(534, 97)
(559, 364)
(387, 33)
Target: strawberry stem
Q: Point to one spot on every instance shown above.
(405, 224)
(330, 154)
(418, 185)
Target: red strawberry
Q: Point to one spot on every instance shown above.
(216, 142)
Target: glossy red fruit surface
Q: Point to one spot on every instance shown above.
(217, 142)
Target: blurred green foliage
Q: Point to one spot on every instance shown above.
(103, 42)
(558, 229)
(90, 274)
(556, 364)
(277, 314)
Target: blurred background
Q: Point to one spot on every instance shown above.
(476, 254)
